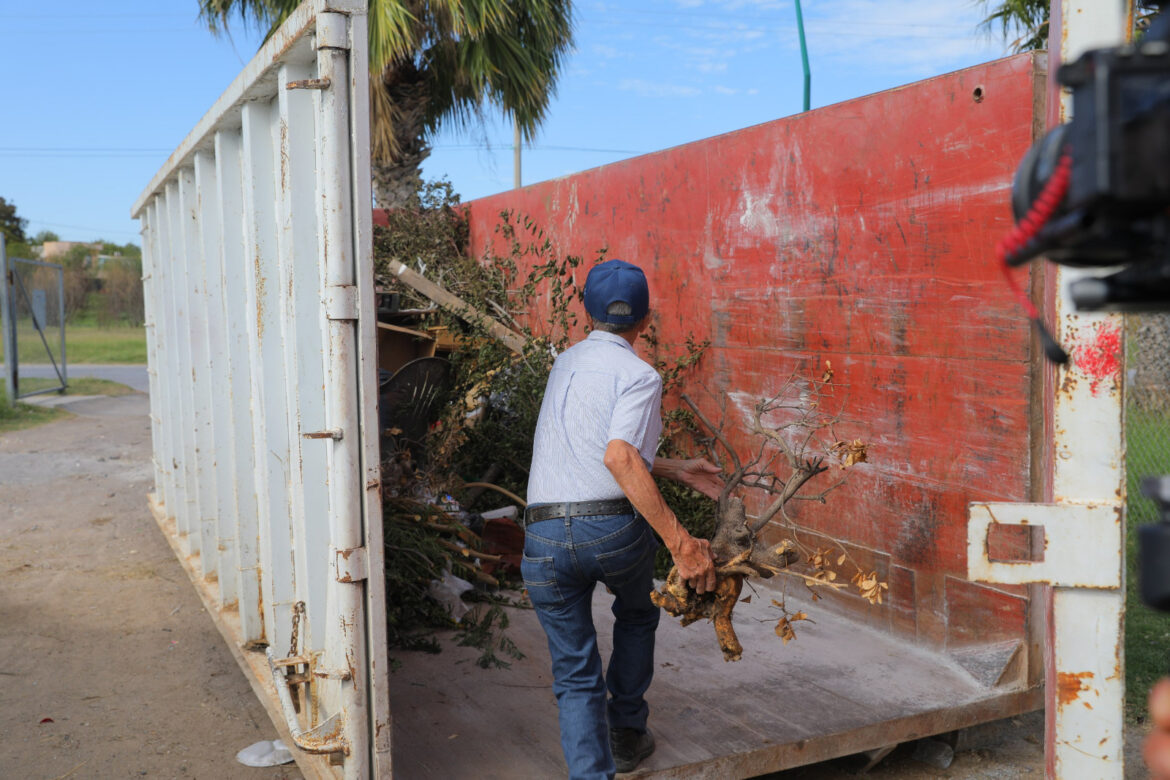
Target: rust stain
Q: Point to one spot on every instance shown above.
(1069, 686)
(260, 285)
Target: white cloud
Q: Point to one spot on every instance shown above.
(652, 89)
(607, 52)
(722, 90)
(915, 37)
(711, 67)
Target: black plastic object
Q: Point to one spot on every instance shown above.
(412, 400)
(1154, 547)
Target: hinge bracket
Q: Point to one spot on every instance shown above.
(1077, 538)
(341, 302)
(351, 565)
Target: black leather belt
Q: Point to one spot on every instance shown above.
(613, 506)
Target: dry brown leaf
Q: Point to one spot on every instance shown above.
(841, 560)
(784, 630)
(828, 375)
(850, 452)
(746, 600)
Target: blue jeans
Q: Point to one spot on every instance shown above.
(563, 559)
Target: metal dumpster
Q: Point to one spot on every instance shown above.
(256, 238)
(859, 233)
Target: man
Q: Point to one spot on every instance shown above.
(592, 466)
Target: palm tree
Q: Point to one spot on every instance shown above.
(439, 61)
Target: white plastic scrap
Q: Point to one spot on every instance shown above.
(265, 753)
(447, 592)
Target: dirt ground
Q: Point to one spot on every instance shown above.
(110, 668)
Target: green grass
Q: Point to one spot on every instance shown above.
(1147, 633)
(25, 415)
(21, 415)
(84, 343)
(82, 386)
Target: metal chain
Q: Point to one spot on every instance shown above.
(298, 610)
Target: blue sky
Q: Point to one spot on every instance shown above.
(99, 94)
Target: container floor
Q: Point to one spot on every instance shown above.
(839, 688)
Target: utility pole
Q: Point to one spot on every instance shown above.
(515, 152)
(803, 56)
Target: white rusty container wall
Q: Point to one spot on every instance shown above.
(1084, 527)
(261, 342)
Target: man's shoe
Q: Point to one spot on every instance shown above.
(629, 747)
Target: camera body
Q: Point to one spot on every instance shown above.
(1114, 211)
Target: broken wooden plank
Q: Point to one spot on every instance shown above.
(456, 305)
(418, 334)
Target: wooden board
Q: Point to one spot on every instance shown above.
(840, 688)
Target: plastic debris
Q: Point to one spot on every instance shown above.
(265, 753)
(448, 592)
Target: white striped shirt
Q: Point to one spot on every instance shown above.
(598, 391)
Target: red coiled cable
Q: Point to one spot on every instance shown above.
(1027, 228)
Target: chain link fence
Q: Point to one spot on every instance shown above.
(1147, 408)
(33, 314)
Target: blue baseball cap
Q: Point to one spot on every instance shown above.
(616, 281)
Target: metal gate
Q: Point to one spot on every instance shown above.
(260, 333)
(32, 309)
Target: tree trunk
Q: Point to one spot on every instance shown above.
(396, 163)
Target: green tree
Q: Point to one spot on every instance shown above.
(1029, 20)
(43, 236)
(434, 62)
(11, 225)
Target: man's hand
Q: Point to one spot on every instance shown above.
(696, 473)
(695, 564)
(1156, 750)
(701, 475)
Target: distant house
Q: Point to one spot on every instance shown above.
(52, 249)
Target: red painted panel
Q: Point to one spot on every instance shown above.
(860, 233)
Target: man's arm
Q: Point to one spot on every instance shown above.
(697, 473)
(692, 556)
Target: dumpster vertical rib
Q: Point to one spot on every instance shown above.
(304, 343)
(239, 385)
(200, 247)
(151, 326)
(219, 402)
(187, 511)
(169, 407)
(194, 344)
(348, 652)
(276, 556)
(270, 425)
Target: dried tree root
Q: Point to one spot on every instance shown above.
(737, 554)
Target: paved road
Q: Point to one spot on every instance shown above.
(130, 375)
